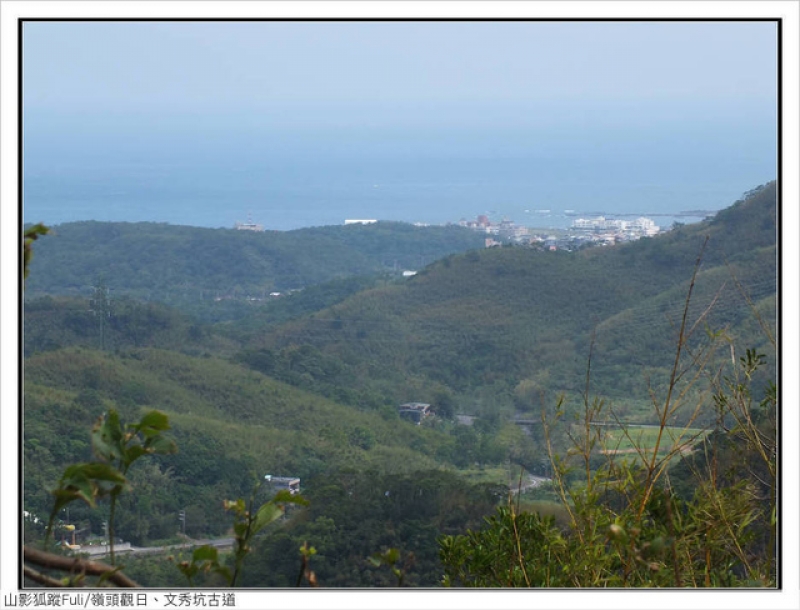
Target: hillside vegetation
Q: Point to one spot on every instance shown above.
(232, 426)
(211, 271)
(508, 324)
(307, 385)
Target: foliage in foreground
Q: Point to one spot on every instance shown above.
(628, 527)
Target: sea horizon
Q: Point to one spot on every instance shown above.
(317, 184)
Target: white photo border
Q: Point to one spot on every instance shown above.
(10, 224)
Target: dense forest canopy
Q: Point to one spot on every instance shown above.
(201, 270)
(141, 317)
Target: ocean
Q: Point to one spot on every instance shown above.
(324, 181)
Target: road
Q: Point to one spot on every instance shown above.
(126, 548)
(532, 481)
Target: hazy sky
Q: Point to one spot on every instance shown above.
(318, 73)
(123, 115)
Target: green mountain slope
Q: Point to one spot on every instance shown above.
(232, 426)
(56, 322)
(490, 332)
(204, 270)
(480, 324)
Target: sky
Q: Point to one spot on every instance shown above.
(205, 101)
(331, 74)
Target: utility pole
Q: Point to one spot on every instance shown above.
(101, 306)
(182, 519)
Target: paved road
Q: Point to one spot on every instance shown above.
(126, 548)
(531, 482)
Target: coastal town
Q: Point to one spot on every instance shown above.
(583, 232)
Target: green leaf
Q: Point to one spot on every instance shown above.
(267, 513)
(189, 570)
(161, 444)
(205, 553)
(80, 482)
(152, 423)
(106, 575)
(107, 437)
(100, 471)
(31, 235)
(286, 496)
(134, 453)
(240, 529)
(237, 506)
(388, 558)
(225, 572)
(65, 496)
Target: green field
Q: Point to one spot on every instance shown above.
(616, 441)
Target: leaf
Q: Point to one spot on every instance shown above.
(152, 423)
(100, 471)
(388, 558)
(240, 529)
(107, 437)
(80, 482)
(307, 551)
(267, 513)
(225, 572)
(236, 506)
(205, 553)
(161, 444)
(189, 570)
(106, 575)
(286, 496)
(65, 496)
(31, 235)
(135, 452)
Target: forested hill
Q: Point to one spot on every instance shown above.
(229, 423)
(516, 322)
(184, 266)
(311, 389)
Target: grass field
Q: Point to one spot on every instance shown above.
(617, 441)
(488, 474)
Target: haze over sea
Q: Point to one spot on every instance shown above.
(310, 123)
(287, 180)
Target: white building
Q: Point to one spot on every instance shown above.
(644, 225)
(248, 226)
(640, 227)
(290, 484)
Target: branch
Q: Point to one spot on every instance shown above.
(75, 564)
(651, 467)
(41, 578)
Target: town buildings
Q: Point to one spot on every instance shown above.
(584, 231)
(633, 229)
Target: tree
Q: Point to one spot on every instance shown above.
(627, 525)
(30, 235)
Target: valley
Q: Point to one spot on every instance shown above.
(129, 317)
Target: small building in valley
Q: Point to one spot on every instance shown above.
(290, 484)
(414, 411)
